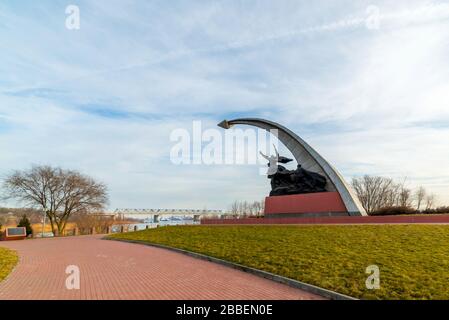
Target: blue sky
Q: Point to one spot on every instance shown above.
(104, 99)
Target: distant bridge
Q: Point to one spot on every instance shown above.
(156, 214)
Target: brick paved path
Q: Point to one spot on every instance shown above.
(117, 270)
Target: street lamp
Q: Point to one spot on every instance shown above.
(43, 221)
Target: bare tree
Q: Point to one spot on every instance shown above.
(2, 221)
(60, 193)
(404, 195)
(242, 208)
(376, 192)
(260, 205)
(235, 209)
(245, 208)
(390, 195)
(100, 221)
(257, 208)
(420, 195)
(430, 201)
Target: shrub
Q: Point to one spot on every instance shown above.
(25, 222)
(439, 210)
(392, 211)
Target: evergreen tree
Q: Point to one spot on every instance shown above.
(25, 222)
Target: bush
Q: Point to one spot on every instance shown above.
(393, 211)
(25, 222)
(439, 210)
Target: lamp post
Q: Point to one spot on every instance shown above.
(43, 222)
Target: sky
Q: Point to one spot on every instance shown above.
(366, 83)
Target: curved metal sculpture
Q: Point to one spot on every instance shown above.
(308, 158)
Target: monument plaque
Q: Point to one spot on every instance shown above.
(18, 233)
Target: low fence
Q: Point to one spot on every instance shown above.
(334, 220)
(116, 228)
(96, 230)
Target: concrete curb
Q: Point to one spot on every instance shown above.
(267, 275)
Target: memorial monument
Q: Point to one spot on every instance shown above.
(313, 189)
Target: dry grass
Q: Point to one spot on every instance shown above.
(8, 260)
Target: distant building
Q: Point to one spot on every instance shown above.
(11, 220)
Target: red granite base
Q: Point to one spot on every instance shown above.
(305, 205)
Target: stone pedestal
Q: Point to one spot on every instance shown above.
(322, 204)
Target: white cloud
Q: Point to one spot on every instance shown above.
(367, 99)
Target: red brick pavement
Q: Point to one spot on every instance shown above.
(117, 270)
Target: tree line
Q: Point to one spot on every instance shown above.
(381, 194)
(247, 208)
(378, 195)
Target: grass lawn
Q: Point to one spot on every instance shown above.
(8, 260)
(413, 259)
